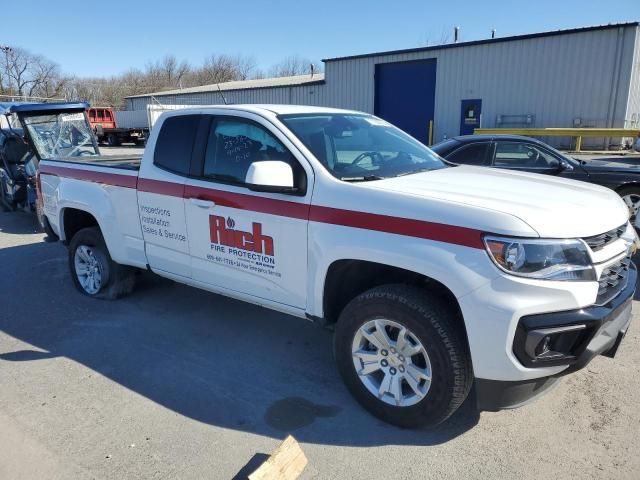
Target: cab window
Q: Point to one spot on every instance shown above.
(472, 154)
(234, 144)
(523, 155)
(175, 143)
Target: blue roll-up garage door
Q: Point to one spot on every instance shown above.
(405, 95)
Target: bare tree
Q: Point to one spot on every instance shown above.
(25, 74)
(431, 39)
(167, 73)
(246, 67)
(215, 69)
(292, 65)
(223, 68)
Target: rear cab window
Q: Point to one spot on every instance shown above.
(471, 154)
(175, 143)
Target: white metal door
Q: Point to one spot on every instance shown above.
(161, 194)
(251, 242)
(234, 244)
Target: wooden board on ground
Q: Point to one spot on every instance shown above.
(286, 462)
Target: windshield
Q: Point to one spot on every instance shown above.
(361, 147)
(561, 155)
(60, 135)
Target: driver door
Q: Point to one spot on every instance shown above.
(253, 243)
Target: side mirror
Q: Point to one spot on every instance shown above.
(565, 166)
(270, 176)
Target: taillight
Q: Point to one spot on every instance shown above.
(39, 201)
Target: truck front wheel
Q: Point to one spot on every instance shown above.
(402, 355)
(93, 271)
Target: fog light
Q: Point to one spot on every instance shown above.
(548, 344)
(543, 346)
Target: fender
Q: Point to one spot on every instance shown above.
(114, 208)
(461, 269)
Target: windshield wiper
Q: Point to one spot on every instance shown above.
(365, 178)
(413, 171)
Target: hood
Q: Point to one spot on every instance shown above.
(553, 207)
(612, 164)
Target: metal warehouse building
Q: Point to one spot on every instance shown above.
(583, 77)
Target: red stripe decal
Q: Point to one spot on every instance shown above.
(250, 202)
(440, 232)
(161, 187)
(115, 179)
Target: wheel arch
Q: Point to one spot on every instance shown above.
(627, 185)
(345, 279)
(74, 219)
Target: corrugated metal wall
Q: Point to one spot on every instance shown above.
(298, 95)
(556, 79)
(633, 107)
(565, 80)
(132, 119)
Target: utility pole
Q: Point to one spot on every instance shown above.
(7, 50)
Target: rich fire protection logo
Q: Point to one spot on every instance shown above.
(222, 232)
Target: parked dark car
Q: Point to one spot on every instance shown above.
(530, 155)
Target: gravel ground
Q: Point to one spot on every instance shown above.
(173, 382)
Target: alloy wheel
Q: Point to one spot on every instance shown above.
(391, 362)
(633, 203)
(88, 269)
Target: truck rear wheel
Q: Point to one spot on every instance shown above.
(113, 140)
(93, 271)
(402, 355)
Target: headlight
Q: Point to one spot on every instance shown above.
(632, 237)
(541, 259)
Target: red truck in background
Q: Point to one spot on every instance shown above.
(103, 123)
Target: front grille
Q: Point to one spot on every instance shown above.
(598, 242)
(613, 280)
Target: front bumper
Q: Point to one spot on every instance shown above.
(601, 331)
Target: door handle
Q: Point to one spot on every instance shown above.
(202, 203)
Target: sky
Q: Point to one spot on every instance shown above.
(87, 40)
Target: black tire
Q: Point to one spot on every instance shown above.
(113, 140)
(117, 280)
(435, 325)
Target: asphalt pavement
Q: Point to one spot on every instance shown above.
(173, 382)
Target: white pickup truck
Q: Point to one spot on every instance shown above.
(435, 278)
